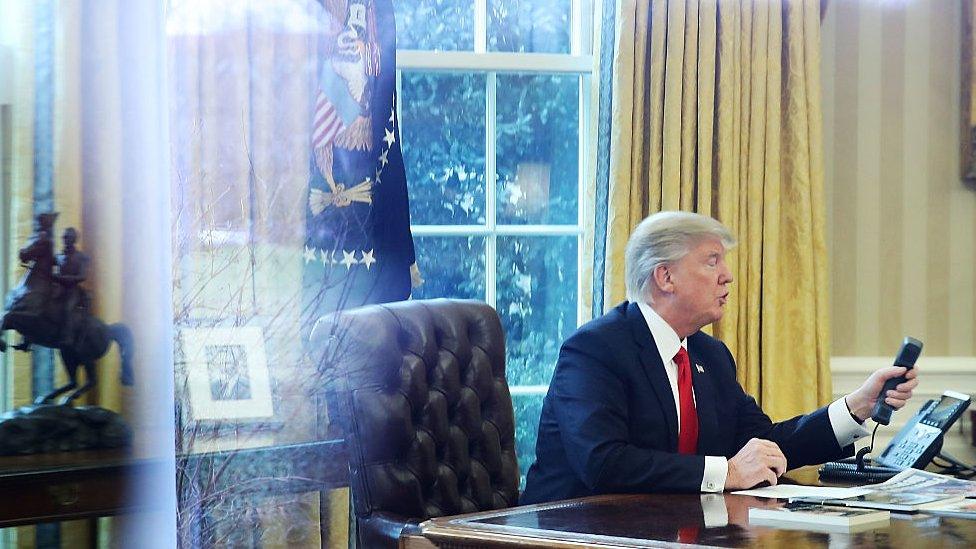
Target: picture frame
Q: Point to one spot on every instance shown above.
(967, 99)
(227, 374)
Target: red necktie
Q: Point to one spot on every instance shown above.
(688, 430)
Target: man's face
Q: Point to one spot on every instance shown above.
(701, 281)
(69, 238)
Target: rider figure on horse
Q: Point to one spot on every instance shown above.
(72, 271)
(50, 308)
(54, 295)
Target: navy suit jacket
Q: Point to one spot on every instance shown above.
(609, 423)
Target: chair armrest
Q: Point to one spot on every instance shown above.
(384, 529)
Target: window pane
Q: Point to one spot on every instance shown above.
(537, 148)
(443, 125)
(435, 24)
(452, 266)
(528, 408)
(536, 300)
(538, 26)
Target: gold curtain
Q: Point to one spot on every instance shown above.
(717, 110)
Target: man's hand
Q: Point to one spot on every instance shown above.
(759, 460)
(861, 402)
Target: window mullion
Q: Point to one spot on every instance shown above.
(583, 167)
(494, 61)
(491, 246)
(576, 27)
(480, 26)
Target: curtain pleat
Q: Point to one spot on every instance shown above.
(717, 110)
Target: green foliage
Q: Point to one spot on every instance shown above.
(538, 26)
(538, 123)
(527, 411)
(435, 24)
(453, 266)
(443, 137)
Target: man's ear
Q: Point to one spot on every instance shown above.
(662, 278)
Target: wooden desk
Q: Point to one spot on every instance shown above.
(74, 485)
(71, 485)
(628, 521)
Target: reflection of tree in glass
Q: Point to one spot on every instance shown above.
(538, 125)
(539, 26)
(435, 24)
(453, 266)
(443, 127)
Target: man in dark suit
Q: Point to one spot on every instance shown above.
(643, 401)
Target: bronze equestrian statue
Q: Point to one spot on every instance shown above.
(49, 308)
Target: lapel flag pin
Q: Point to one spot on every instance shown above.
(700, 369)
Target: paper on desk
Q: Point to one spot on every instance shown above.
(786, 491)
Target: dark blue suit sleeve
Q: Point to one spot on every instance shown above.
(591, 408)
(804, 440)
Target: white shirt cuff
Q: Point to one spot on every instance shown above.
(714, 511)
(846, 429)
(716, 469)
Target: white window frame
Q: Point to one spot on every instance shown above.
(579, 61)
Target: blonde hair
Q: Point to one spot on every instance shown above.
(666, 237)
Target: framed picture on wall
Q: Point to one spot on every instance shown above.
(226, 374)
(968, 95)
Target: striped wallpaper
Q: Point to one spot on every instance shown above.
(901, 223)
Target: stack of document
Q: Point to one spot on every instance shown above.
(905, 503)
(909, 491)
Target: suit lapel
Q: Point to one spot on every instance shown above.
(704, 403)
(650, 360)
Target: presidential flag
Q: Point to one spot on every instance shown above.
(358, 247)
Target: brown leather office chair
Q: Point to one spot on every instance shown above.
(421, 395)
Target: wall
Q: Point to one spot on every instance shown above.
(901, 224)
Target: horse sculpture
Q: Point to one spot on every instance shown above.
(35, 309)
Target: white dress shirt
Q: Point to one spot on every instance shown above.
(846, 429)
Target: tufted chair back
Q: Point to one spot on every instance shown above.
(420, 392)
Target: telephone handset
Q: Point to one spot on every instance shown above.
(921, 438)
(906, 357)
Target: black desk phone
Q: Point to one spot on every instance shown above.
(914, 446)
(921, 438)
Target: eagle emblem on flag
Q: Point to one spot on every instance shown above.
(349, 55)
(358, 244)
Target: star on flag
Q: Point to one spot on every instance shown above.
(367, 259)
